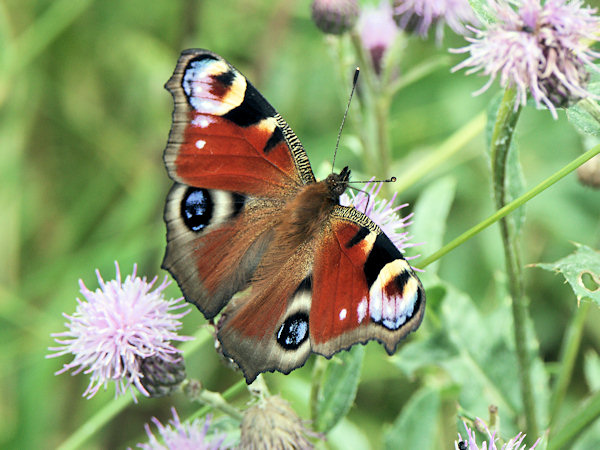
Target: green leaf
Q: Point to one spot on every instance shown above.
(338, 388)
(480, 7)
(431, 213)
(515, 184)
(414, 427)
(582, 270)
(591, 368)
(514, 181)
(477, 353)
(585, 114)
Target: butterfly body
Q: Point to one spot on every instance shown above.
(252, 234)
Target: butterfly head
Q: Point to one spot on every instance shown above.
(337, 183)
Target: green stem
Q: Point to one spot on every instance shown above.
(114, 407)
(215, 400)
(569, 352)
(416, 73)
(95, 423)
(585, 416)
(229, 393)
(504, 127)
(367, 98)
(443, 153)
(510, 207)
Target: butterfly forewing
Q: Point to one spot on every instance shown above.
(225, 135)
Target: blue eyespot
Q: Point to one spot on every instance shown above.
(196, 208)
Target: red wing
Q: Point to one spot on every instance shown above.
(225, 135)
(363, 288)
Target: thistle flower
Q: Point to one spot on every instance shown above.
(471, 442)
(538, 49)
(382, 213)
(377, 31)
(181, 436)
(419, 15)
(335, 16)
(272, 423)
(116, 328)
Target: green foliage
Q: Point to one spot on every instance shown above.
(337, 388)
(581, 270)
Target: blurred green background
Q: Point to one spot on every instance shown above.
(83, 122)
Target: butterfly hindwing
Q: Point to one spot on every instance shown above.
(363, 288)
(225, 135)
(215, 241)
(266, 329)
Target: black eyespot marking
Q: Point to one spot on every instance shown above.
(362, 233)
(276, 138)
(226, 78)
(382, 253)
(294, 331)
(196, 208)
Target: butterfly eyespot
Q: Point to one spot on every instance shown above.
(293, 331)
(196, 208)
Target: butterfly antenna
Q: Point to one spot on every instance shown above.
(337, 144)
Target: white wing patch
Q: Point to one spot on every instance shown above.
(392, 311)
(200, 83)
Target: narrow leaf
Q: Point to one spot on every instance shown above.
(415, 426)
(431, 212)
(338, 388)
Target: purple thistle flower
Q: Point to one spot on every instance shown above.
(181, 436)
(377, 31)
(538, 49)
(118, 326)
(382, 213)
(420, 15)
(471, 442)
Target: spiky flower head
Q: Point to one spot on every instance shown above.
(382, 213)
(335, 16)
(377, 31)
(470, 443)
(419, 16)
(181, 436)
(539, 49)
(116, 327)
(272, 423)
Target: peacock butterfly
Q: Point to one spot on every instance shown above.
(246, 215)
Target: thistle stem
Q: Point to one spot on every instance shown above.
(510, 207)
(569, 352)
(502, 133)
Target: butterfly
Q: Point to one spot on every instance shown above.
(252, 233)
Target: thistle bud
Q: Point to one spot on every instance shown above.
(335, 16)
